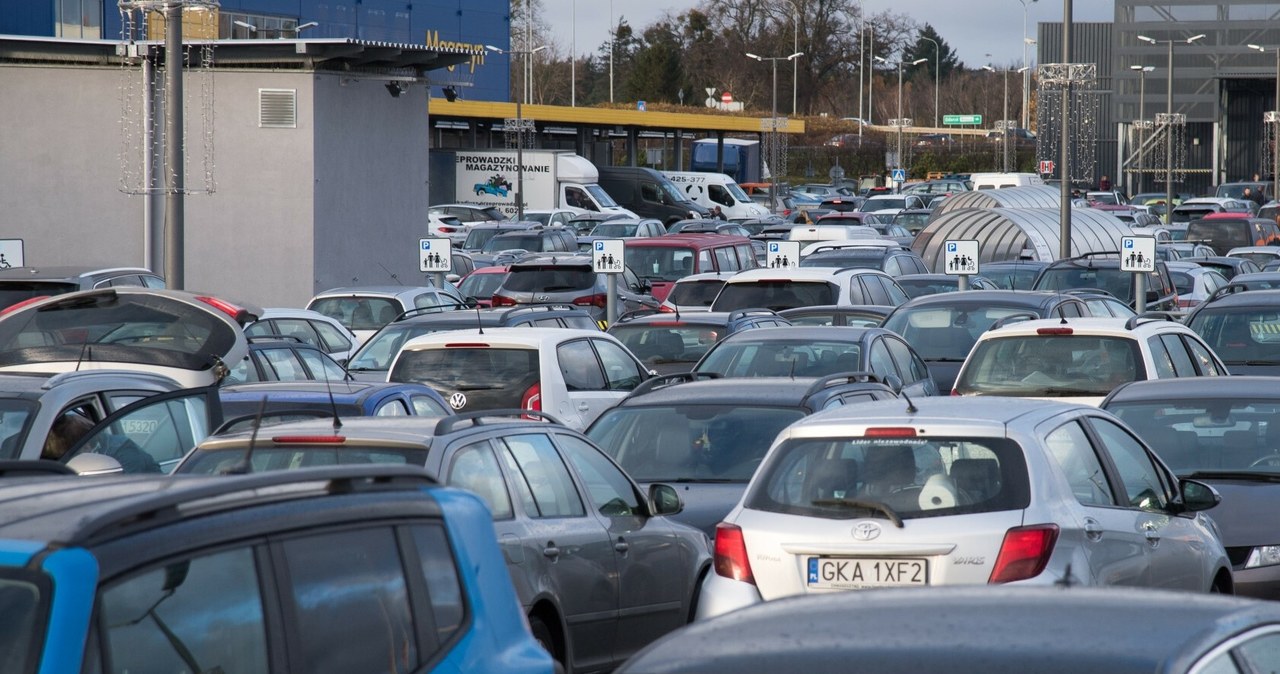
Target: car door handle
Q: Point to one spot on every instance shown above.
(621, 546)
(583, 406)
(1151, 533)
(551, 550)
(1092, 530)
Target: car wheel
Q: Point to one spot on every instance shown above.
(542, 634)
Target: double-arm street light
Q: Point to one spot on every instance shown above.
(1168, 137)
(773, 180)
(937, 75)
(527, 53)
(1004, 120)
(900, 122)
(1275, 136)
(1026, 72)
(1142, 119)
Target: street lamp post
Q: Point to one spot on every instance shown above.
(773, 175)
(1004, 119)
(1168, 132)
(1275, 150)
(899, 122)
(1026, 72)
(1142, 119)
(937, 75)
(527, 53)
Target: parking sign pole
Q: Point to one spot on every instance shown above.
(1140, 292)
(611, 298)
(962, 282)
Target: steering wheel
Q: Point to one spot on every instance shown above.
(1268, 460)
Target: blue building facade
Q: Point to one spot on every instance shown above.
(468, 23)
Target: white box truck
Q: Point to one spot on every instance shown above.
(552, 179)
(716, 189)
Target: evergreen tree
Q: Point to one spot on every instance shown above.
(943, 57)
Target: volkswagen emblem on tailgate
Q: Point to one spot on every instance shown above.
(866, 531)
(459, 400)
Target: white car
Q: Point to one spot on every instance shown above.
(694, 292)
(1262, 255)
(948, 491)
(891, 204)
(1082, 359)
(779, 289)
(1195, 284)
(443, 225)
(574, 375)
(312, 327)
(365, 309)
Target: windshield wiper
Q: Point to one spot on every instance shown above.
(942, 359)
(874, 506)
(1235, 475)
(1067, 391)
(1265, 361)
(696, 480)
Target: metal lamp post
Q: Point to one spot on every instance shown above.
(1168, 145)
(899, 122)
(773, 175)
(1026, 73)
(527, 53)
(1004, 119)
(1275, 151)
(1142, 119)
(937, 75)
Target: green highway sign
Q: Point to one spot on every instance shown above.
(962, 119)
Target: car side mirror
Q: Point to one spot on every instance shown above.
(1197, 495)
(95, 464)
(1152, 296)
(664, 500)
(452, 278)
(646, 285)
(471, 302)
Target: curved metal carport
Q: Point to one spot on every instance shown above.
(1005, 233)
(1027, 196)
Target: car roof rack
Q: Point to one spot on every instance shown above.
(839, 378)
(450, 423)
(260, 339)
(665, 380)
(637, 313)
(33, 468)
(1147, 317)
(437, 309)
(164, 505)
(1019, 317)
(738, 314)
(535, 308)
(314, 413)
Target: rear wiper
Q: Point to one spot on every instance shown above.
(475, 387)
(874, 506)
(556, 289)
(1235, 475)
(942, 360)
(697, 480)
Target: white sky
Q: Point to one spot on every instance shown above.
(973, 28)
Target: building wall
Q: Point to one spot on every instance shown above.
(60, 174)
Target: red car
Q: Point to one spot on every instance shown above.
(482, 283)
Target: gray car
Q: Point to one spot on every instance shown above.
(569, 279)
(599, 567)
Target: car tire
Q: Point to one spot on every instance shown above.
(542, 634)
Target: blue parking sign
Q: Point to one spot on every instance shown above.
(599, 245)
(426, 245)
(951, 247)
(1128, 243)
(773, 248)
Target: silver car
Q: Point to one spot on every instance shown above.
(955, 491)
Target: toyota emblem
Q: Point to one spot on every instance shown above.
(459, 400)
(866, 531)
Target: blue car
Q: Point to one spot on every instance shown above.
(240, 403)
(324, 570)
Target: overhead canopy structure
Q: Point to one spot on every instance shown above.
(1011, 233)
(1029, 196)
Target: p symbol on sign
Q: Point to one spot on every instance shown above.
(1128, 243)
(426, 245)
(951, 248)
(599, 245)
(773, 248)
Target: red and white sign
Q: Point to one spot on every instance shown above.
(1046, 166)
(726, 98)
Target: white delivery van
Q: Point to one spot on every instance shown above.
(716, 189)
(995, 181)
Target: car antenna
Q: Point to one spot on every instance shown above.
(333, 405)
(246, 466)
(391, 274)
(479, 323)
(84, 348)
(911, 407)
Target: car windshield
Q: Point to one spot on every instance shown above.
(690, 442)
(736, 191)
(493, 213)
(377, 353)
(1118, 283)
(549, 279)
(882, 203)
(1221, 235)
(918, 287)
(847, 478)
(695, 293)
(300, 456)
(946, 332)
(529, 242)
(615, 229)
(602, 197)
(13, 292)
(359, 313)
(1240, 335)
(15, 422)
(1260, 258)
(775, 295)
(845, 258)
(481, 286)
(911, 221)
(140, 328)
(1050, 366)
(661, 344)
(25, 608)
(660, 263)
(478, 236)
(486, 378)
(782, 358)
(1206, 436)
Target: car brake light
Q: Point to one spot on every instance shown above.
(309, 439)
(890, 432)
(23, 303)
(731, 554)
(239, 314)
(446, 230)
(532, 400)
(599, 300)
(1186, 303)
(502, 301)
(666, 309)
(1024, 553)
(465, 345)
(1054, 331)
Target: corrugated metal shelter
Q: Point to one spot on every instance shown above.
(1004, 233)
(1029, 196)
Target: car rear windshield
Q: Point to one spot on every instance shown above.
(658, 344)
(661, 263)
(1050, 366)
(477, 237)
(862, 259)
(23, 606)
(1111, 279)
(123, 328)
(1220, 235)
(775, 295)
(882, 204)
(1206, 436)
(288, 457)
(695, 294)
(1189, 213)
(615, 229)
(529, 242)
(1241, 335)
(691, 442)
(488, 378)
(782, 358)
(846, 478)
(549, 279)
(481, 286)
(946, 332)
(12, 292)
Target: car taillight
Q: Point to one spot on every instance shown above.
(501, 301)
(23, 303)
(1186, 304)
(731, 554)
(309, 439)
(1024, 553)
(666, 309)
(599, 300)
(890, 432)
(237, 313)
(447, 230)
(532, 398)
(1054, 331)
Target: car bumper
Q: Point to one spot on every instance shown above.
(1261, 582)
(721, 595)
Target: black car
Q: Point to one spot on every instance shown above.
(917, 285)
(1243, 329)
(569, 279)
(372, 361)
(708, 434)
(858, 315)
(1013, 274)
(1227, 266)
(1102, 270)
(23, 283)
(533, 240)
(668, 343)
(944, 327)
(1222, 431)
(875, 254)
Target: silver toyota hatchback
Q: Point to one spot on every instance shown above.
(954, 491)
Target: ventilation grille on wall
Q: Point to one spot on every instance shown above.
(278, 108)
